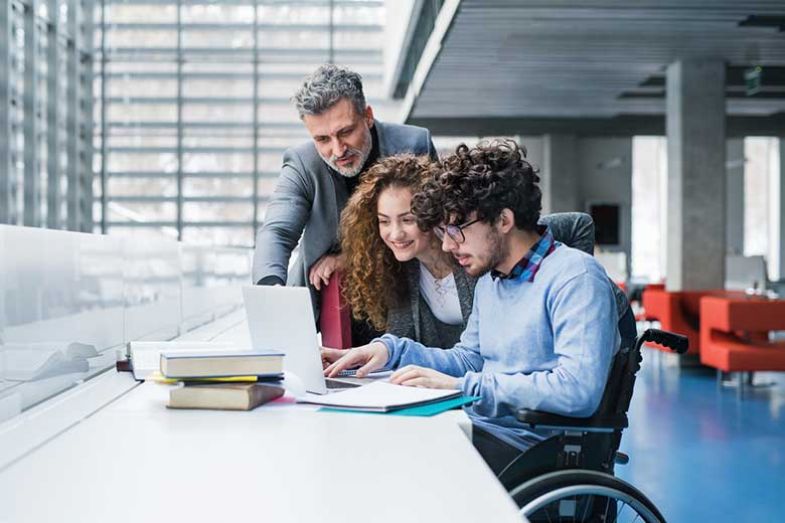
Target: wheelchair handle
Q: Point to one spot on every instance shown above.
(675, 342)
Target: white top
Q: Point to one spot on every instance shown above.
(441, 295)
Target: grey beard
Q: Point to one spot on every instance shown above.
(363, 153)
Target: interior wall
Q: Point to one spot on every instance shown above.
(604, 168)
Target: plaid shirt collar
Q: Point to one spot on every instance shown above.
(527, 267)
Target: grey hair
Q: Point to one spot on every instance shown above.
(325, 87)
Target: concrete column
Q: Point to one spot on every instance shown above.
(695, 124)
(560, 182)
(777, 216)
(734, 233)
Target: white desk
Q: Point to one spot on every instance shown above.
(134, 460)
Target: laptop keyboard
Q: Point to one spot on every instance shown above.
(338, 384)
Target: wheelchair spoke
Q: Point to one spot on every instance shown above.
(586, 507)
(619, 512)
(559, 497)
(548, 515)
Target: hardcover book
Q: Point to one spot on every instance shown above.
(223, 396)
(220, 364)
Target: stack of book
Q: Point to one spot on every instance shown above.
(222, 380)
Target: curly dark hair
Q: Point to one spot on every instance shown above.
(373, 280)
(487, 178)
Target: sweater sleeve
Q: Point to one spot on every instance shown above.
(585, 336)
(457, 361)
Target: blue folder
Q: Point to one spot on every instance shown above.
(431, 409)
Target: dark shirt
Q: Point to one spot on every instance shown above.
(373, 157)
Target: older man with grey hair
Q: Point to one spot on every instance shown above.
(318, 177)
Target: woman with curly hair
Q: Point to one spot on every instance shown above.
(395, 274)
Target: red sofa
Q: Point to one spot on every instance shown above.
(679, 311)
(734, 334)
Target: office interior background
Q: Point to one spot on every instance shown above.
(158, 127)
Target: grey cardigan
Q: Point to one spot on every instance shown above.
(415, 320)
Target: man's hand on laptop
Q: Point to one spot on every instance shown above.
(415, 376)
(365, 359)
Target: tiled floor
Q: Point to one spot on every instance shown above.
(700, 453)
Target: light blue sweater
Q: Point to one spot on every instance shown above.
(545, 345)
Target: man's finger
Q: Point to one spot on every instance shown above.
(372, 365)
(402, 371)
(347, 362)
(408, 374)
(312, 276)
(331, 355)
(420, 381)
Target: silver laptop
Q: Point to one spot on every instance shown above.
(280, 319)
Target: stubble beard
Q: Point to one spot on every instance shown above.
(497, 252)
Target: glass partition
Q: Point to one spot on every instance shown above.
(61, 311)
(70, 301)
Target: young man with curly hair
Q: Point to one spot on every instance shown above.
(543, 329)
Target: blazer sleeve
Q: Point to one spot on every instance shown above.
(287, 214)
(573, 229)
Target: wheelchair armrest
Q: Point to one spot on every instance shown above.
(538, 418)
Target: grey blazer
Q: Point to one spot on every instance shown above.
(414, 318)
(308, 201)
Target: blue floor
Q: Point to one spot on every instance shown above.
(701, 454)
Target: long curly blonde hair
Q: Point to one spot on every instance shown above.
(373, 280)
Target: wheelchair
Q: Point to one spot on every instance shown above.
(569, 475)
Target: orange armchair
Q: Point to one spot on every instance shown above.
(679, 311)
(734, 334)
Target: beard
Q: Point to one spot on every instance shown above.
(497, 253)
(362, 153)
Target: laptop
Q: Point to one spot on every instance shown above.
(280, 319)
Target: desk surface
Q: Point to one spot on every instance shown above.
(135, 460)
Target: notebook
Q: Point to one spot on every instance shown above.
(381, 396)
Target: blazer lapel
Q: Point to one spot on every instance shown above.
(380, 135)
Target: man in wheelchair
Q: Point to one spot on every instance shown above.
(543, 330)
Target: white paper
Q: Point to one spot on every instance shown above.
(146, 355)
(381, 396)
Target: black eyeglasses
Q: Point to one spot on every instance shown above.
(453, 231)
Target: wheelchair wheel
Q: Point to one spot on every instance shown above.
(583, 495)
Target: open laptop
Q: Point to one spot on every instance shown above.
(280, 319)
